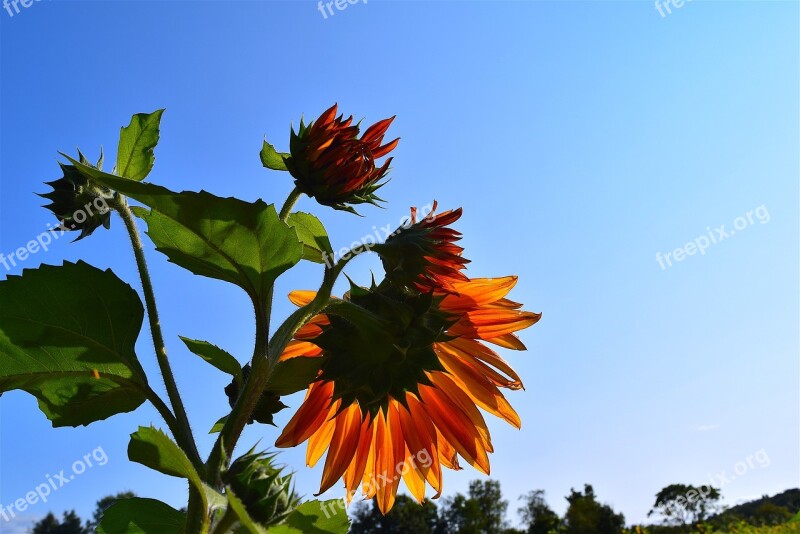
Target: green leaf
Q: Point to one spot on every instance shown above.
(310, 230)
(219, 425)
(135, 156)
(214, 355)
(272, 159)
(61, 324)
(141, 516)
(152, 448)
(293, 375)
(316, 517)
(244, 243)
(239, 509)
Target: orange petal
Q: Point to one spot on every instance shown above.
(384, 459)
(448, 456)
(456, 427)
(300, 349)
(480, 389)
(456, 395)
(344, 445)
(478, 292)
(369, 484)
(355, 471)
(311, 415)
(420, 436)
(469, 348)
(302, 297)
(413, 477)
(490, 323)
(312, 328)
(319, 442)
(508, 341)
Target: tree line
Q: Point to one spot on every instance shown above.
(677, 508)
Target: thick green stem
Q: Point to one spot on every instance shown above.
(197, 516)
(265, 357)
(182, 431)
(248, 398)
(294, 196)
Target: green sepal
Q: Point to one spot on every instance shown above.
(311, 232)
(272, 159)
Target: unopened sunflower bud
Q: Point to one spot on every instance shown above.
(422, 255)
(267, 494)
(78, 203)
(330, 163)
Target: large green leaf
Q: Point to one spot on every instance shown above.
(63, 327)
(214, 355)
(135, 156)
(244, 243)
(152, 448)
(272, 159)
(310, 230)
(142, 516)
(315, 517)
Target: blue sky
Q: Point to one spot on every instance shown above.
(581, 138)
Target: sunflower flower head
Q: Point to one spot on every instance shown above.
(379, 345)
(422, 255)
(404, 376)
(332, 164)
(77, 203)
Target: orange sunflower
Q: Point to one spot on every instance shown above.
(403, 375)
(332, 164)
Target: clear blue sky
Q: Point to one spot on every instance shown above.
(581, 138)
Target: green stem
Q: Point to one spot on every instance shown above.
(265, 357)
(248, 398)
(227, 522)
(294, 196)
(163, 409)
(182, 432)
(197, 516)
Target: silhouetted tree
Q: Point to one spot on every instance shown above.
(406, 516)
(682, 504)
(70, 524)
(481, 512)
(587, 516)
(536, 515)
